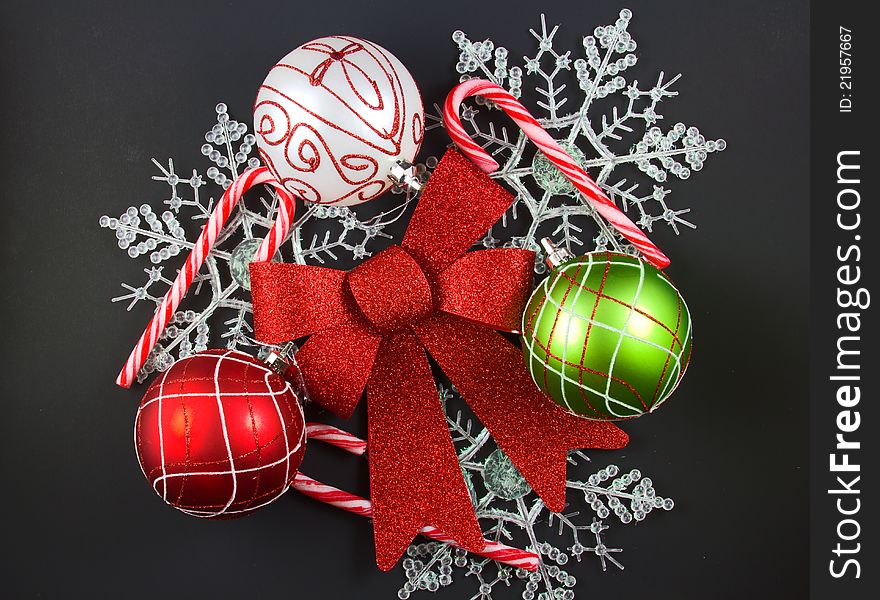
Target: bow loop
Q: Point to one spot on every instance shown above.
(459, 194)
(488, 287)
(292, 301)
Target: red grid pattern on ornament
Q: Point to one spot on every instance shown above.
(556, 321)
(664, 395)
(572, 282)
(581, 367)
(202, 468)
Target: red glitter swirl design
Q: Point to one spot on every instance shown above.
(418, 128)
(334, 141)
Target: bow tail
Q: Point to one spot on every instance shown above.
(415, 477)
(534, 432)
(335, 365)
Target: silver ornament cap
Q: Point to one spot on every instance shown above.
(404, 174)
(279, 360)
(555, 255)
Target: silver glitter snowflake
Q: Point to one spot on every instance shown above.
(511, 513)
(219, 297)
(587, 102)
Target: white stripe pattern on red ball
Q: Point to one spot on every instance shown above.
(232, 471)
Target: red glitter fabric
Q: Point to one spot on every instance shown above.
(415, 478)
(494, 279)
(315, 300)
(391, 290)
(533, 431)
(459, 194)
(370, 327)
(335, 366)
(219, 435)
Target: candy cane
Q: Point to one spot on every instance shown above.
(363, 507)
(199, 253)
(551, 149)
(336, 437)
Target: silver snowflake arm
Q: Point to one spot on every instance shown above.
(605, 120)
(642, 498)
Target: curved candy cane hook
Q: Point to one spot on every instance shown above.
(566, 165)
(199, 253)
(328, 494)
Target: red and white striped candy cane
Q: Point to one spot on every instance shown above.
(363, 507)
(199, 253)
(551, 149)
(336, 437)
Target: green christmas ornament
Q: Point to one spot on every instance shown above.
(606, 335)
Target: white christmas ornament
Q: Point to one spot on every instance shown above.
(334, 118)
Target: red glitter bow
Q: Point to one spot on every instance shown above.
(370, 328)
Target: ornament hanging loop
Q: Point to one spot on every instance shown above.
(199, 254)
(551, 149)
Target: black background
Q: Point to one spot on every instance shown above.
(92, 91)
(831, 132)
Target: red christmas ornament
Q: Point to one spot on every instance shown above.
(219, 434)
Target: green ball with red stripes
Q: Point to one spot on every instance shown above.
(607, 336)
